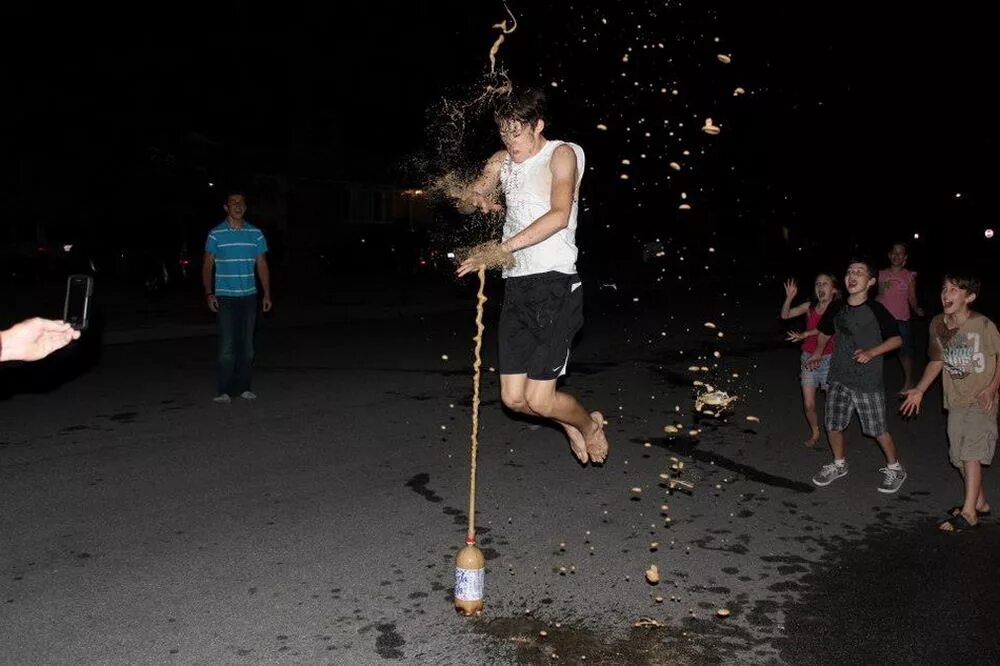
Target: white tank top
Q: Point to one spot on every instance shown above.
(527, 189)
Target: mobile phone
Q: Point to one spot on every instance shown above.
(76, 311)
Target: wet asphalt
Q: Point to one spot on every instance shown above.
(144, 524)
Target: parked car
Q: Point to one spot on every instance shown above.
(151, 268)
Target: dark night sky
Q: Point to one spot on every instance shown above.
(875, 115)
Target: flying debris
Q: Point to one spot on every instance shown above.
(504, 31)
(718, 400)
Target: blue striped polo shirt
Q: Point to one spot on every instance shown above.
(235, 252)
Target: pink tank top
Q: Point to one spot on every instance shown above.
(812, 321)
(894, 292)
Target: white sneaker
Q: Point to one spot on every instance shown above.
(222, 398)
(248, 395)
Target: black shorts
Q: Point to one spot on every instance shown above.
(540, 317)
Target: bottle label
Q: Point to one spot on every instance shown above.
(469, 584)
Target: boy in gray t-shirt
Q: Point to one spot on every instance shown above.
(865, 331)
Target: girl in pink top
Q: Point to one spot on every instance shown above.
(897, 291)
(825, 291)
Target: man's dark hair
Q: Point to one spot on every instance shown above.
(868, 264)
(965, 281)
(906, 248)
(521, 106)
(234, 193)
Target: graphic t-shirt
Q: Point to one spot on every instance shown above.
(969, 353)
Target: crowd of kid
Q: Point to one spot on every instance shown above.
(847, 334)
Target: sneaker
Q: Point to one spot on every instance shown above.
(830, 473)
(222, 398)
(248, 395)
(892, 479)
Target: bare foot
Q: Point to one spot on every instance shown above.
(597, 442)
(576, 442)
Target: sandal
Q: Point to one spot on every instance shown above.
(957, 510)
(956, 524)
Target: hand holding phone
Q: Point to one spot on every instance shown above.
(34, 339)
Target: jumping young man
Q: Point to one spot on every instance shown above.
(543, 295)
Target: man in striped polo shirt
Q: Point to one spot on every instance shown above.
(235, 249)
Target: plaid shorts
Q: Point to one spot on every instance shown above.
(842, 402)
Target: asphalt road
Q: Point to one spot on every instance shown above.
(143, 523)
